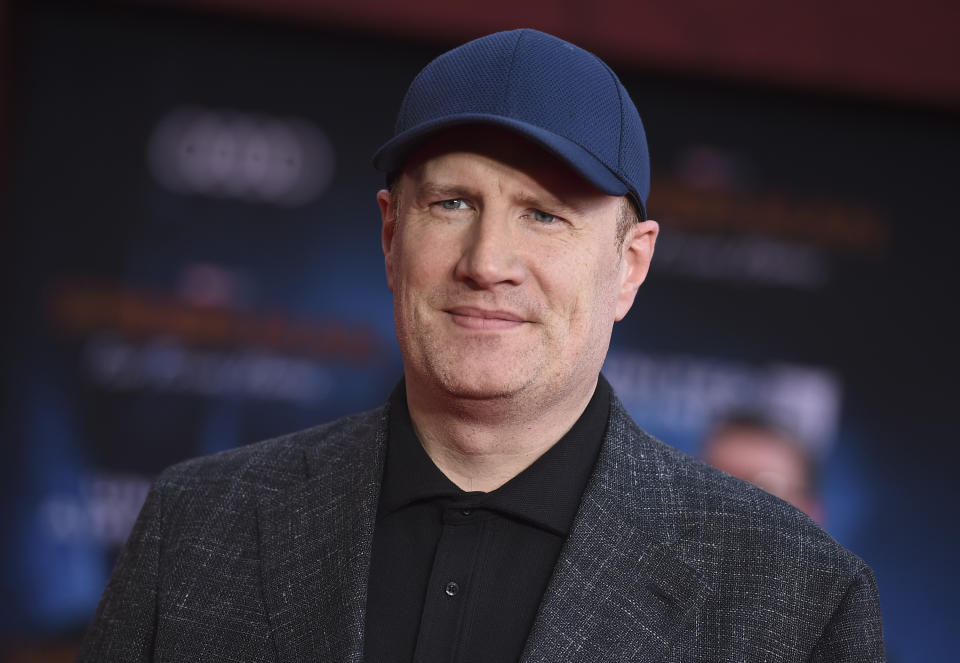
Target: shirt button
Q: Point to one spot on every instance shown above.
(466, 512)
(452, 588)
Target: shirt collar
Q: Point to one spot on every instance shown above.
(546, 494)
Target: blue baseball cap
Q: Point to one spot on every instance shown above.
(554, 93)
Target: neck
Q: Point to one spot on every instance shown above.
(480, 444)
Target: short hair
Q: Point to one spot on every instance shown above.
(627, 216)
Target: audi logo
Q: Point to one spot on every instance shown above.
(246, 156)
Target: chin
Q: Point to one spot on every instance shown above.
(472, 384)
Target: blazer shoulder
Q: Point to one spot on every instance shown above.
(720, 508)
(772, 579)
(276, 462)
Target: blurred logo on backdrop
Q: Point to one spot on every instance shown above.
(722, 223)
(678, 396)
(102, 507)
(224, 153)
(203, 340)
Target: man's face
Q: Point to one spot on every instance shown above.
(767, 460)
(505, 269)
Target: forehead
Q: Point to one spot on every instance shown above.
(754, 446)
(462, 151)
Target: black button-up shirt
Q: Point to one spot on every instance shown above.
(458, 576)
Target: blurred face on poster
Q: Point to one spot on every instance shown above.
(767, 458)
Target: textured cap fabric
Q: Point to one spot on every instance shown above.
(554, 93)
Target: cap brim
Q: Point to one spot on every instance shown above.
(394, 153)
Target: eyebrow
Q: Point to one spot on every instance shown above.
(550, 202)
(543, 203)
(434, 190)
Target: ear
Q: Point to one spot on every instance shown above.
(387, 231)
(637, 254)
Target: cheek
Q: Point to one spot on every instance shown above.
(408, 260)
(582, 289)
(421, 274)
(592, 318)
(421, 269)
(426, 253)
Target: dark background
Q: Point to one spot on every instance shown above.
(191, 257)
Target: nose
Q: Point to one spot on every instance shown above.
(490, 254)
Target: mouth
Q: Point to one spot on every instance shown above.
(473, 318)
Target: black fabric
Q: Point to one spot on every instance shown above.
(458, 576)
(262, 553)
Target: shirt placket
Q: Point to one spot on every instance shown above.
(451, 589)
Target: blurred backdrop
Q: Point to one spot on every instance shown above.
(191, 260)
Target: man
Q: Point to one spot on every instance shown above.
(502, 505)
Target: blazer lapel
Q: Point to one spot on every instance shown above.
(620, 590)
(315, 546)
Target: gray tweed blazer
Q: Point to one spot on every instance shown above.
(261, 554)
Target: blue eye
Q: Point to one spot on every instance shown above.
(453, 203)
(543, 217)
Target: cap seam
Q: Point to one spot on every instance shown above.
(513, 59)
(616, 86)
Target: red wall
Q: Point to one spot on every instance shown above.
(906, 51)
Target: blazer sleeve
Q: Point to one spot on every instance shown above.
(123, 627)
(855, 630)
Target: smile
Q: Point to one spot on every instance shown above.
(483, 319)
